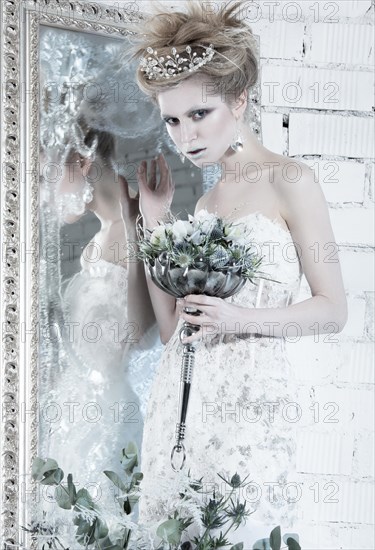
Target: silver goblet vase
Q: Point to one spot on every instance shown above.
(179, 282)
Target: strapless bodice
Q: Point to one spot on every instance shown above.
(280, 264)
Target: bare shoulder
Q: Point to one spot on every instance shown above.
(294, 182)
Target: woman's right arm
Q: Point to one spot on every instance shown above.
(155, 202)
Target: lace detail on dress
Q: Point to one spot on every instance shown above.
(98, 409)
(240, 403)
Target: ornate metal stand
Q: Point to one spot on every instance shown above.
(187, 368)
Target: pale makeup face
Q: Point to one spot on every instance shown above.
(201, 126)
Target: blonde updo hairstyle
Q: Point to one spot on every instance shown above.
(234, 66)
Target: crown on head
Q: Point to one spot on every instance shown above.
(172, 65)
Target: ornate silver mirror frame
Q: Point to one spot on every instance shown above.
(19, 284)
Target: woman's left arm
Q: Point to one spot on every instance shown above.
(304, 208)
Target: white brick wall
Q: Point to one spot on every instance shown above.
(353, 225)
(329, 55)
(356, 364)
(272, 132)
(317, 88)
(358, 269)
(342, 43)
(342, 182)
(331, 135)
(324, 453)
(355, 325)
(277, 39)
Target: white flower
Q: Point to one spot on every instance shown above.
(197, 237)
(181, 229)
(158, 236)
(204, 215)
(234, 233)
(206, 220)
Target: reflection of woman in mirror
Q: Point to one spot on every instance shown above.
(106, 312)
(241, 365)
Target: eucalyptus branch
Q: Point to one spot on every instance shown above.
(94, 532)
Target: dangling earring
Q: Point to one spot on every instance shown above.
(87, 190)
(237, 145)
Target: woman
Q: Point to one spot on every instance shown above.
(238, 418)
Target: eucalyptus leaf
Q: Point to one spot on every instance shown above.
(62, 497)
(292, 544)
(37, 468)
(170, 531)
(101, 529)
(52, 477)
(72, 490)
(47, 472)
(85, 532)
(262, 544)
(137, 477)
(85, 499)
(116, 480)
(294, 536)
(275, 538)
(130, 457)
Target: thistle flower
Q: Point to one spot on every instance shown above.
(219, 257)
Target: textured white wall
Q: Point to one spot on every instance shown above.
(318, 103)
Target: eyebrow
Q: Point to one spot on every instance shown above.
(199, 108)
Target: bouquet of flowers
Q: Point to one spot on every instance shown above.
(204, 254)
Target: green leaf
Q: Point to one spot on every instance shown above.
(84, 499)
(238, 546)
(170, 531)
(101, 529)
(52, 477)
(72, 490)
(262, 544)
(275, 538)
(85, 532)
(62, 497)
(137, 478)
(47, 472)
(37, 468)
(116, 480)
(292, 543)
(129, 457)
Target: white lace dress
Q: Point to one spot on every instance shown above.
(101, 394)
(239, 418)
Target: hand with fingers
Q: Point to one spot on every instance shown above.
(216, 316)
(129, 205)
(156, 194)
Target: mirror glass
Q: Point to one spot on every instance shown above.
(95, 128)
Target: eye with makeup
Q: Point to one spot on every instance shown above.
(200, 114)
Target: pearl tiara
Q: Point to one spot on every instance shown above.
(157, 68)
